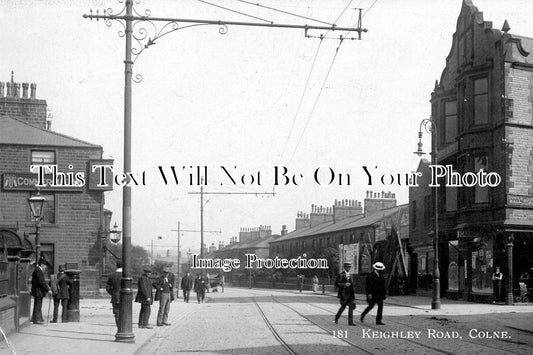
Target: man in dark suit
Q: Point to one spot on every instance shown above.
(163, 293)
(200, 285)
(113, 288)
(60, 285)
(144, 297)
(346, 295)
(186, 285)
(376, 292)
(39, 289)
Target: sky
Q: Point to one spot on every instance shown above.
(250, 100)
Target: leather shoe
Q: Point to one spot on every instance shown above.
(351, 324)
(336, 321)
(362, 319)
(39, 322)
(147, 327)
(160, 325)
(380, 323)
(166, 323)
(53, 321)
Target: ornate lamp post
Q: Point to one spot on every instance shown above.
(430, 127)
(136, 29)
(36, 203)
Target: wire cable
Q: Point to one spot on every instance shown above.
(366, 11)
(235, 11)
(316, 101)
(285, 12)
(301, 100)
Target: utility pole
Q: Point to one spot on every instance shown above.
(131, 20)
(179, 230)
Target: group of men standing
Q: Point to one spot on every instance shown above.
(376, 292)
(59, 288)
(164, 287)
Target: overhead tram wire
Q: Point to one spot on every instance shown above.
(307, 82)
(301, 100)
(235, 11)
(285, 12)
(316, 101)
(374, 3)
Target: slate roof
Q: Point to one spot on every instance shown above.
(345, 224)
(14, 131)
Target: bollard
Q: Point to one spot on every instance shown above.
(73, 309)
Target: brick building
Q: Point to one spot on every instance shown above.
(366, 236)
(483, 108)
(74, 219)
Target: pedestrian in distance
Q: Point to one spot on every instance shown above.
(497, 277)
(376, 292)
(60, 285)
(315, 284)
(113, 288)
(200, 286)
(144, 297)
(300, 282)
(187, 283)
(222, 281)
(346, 294)
(39, 289)
(163, 295)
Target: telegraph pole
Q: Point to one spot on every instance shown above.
(179, 230)
(133, 28)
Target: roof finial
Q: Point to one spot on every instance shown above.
(506, 27)
(12, 76)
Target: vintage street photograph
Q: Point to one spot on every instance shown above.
(266, 177)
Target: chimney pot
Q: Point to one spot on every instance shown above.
(25, 87)
(33, 91)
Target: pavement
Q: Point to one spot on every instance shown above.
(95, 333)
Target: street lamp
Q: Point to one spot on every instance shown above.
(430, 127)
(114, 234)
(36, 203)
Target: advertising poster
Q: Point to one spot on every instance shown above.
(190, 176)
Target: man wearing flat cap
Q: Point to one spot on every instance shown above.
(163, 292)
(144, 297)
(346, 295)
(376, 292)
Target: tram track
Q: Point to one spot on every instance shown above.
(404, 325)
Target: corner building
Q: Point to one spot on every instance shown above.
(74, 220)
(483, 109)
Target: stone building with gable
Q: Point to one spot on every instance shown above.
(483, 108)
(74, 220)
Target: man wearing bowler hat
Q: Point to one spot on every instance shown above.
(346, 295)
(376, 292)
(39, 289)
(144, 297)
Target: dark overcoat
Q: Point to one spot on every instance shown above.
(39, 287)
(187, 282)
(375, 286)
(63, 286)
(346, 293)
(144, 291)
(113, 286)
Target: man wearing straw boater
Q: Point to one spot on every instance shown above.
(376, 292)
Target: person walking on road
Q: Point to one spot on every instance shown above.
(39, 289)
(113, 288)
(376, 292)
(144, 297)
(300, 282)
(60, 285)
(315, 284)
(163, 294)
(187, 283)
(346, 293)
(199, 287)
